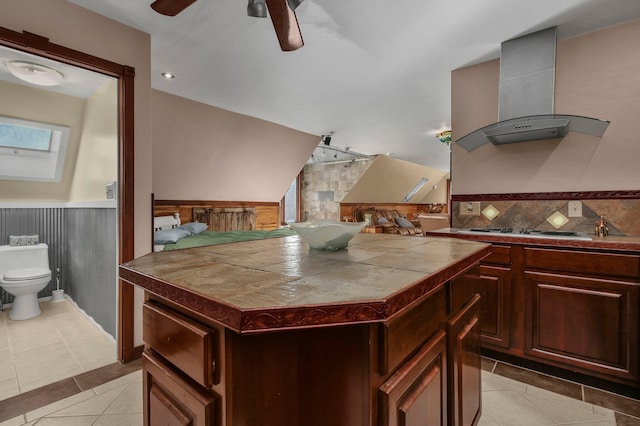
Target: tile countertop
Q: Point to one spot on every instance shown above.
(278, 283)
(610, 242)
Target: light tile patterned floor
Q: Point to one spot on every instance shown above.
(116, 403)
(60, 343)
(506, 402)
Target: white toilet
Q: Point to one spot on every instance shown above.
(24, 271)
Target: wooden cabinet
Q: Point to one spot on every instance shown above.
(573, 308)
(185, 343)
(492, 281)
(170, 399)
(587, 322)
(416, 394)
(463, 346)
(422, 366)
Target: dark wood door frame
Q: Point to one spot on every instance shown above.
(39, 45)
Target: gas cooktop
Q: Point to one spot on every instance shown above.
(529, 233)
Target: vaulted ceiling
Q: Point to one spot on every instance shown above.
(374, 72)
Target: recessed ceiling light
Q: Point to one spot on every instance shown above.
(168, 75)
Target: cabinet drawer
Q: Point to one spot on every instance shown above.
(169, 400)
(404, 334)
(188, 345)
(500, 255)
(607, 264)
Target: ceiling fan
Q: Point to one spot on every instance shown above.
(282, 13)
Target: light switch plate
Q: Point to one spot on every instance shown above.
(575, 209)
(470, 208)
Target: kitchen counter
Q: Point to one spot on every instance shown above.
(532, 282)
(269, 332)
(280, 283)
(610, 242)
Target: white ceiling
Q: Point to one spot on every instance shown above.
(78, 82)
(375, 72)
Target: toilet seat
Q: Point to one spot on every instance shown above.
(26, 274)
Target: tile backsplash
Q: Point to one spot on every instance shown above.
(622, 215)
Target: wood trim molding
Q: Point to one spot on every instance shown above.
(222, 204)
(527, 196)
(41, 46)
(386, 204)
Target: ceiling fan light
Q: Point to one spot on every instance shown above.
(293, 4)
(257, 9)
(33, 73)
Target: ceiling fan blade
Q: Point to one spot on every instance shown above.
(171, 7)
(286, 25)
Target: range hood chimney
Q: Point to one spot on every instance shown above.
(527, 79)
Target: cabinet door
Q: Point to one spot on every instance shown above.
(493, 284)
(416, 395)
(463, 348)
(584, 323)
(170, 401)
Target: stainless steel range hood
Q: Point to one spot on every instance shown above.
(527, 78)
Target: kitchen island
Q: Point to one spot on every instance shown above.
(271, 333)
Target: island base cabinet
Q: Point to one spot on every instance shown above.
(406, 371)
(416, 394)
(463, 347)
(171, 401)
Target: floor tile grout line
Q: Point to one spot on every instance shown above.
(582, 386)
(66, 345)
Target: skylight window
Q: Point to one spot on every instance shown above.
(32, 151)
(17, 136)
(415, 189)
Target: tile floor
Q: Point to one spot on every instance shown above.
(508, 402)
(115, 403)
(60, 343)
(92, 398)
(505, 402)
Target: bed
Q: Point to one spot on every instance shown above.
(170, 234)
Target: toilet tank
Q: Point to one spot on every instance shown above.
(19, 257)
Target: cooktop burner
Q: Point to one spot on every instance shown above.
(529, 233)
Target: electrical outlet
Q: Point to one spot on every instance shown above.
(575, 209)
(470, 208)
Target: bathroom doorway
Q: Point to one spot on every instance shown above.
(70, 207)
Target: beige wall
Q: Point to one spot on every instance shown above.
(72, 26)
(596, 75)
(437, 195)
(202, 152)
(388, 180)
(30, 103)
(97, 162)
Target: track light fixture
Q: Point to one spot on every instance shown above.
(326, 139)
(257, 9)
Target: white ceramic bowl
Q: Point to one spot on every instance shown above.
(327, 234)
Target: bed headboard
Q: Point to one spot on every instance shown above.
(166, 221)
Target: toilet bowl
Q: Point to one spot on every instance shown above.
(24, 271)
